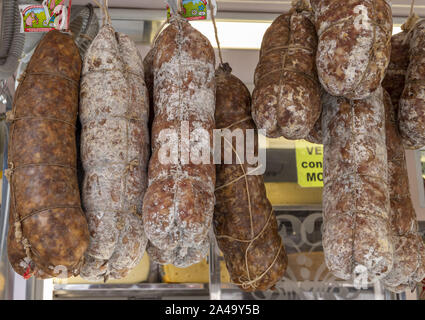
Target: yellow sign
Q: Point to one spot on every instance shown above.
(309, 164)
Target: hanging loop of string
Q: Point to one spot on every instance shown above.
(159, 32)
(412, 20)
(412, 6)
(180, 7)
(106, 18)
(215, 31)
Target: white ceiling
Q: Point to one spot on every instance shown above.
(400, 7)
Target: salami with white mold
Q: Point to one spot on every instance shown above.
(357, 235)
(411, 114)
(114, 113)
(179, 203)
(409, 266)
(354, 45)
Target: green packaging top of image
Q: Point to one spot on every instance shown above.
(193, 9)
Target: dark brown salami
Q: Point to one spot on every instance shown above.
(48, 232)
(354, 45)
(114, 113)
(408, 261)
(286, 98)
(179, 203)
(357, 235)
(396, 72)
(411, 114)
(148, 68)
(244, 221)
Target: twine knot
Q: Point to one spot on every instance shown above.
(9, 172)
(22, 76)
(410, 22)
(10, 116)
(26, 243)
(27, 247)
(18, 231)
(131, 165)
(300, 5)
(246, 284)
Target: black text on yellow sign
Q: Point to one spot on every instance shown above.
(309, 164)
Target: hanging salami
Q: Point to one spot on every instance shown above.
(411, 114)
(179, 203)
(114, 113)
(48, 231)
(244, 221)
(286, 99)
(396, 72)
(409, 250)
(357, 235)
(354, 45)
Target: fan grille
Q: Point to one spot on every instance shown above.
(12, 41)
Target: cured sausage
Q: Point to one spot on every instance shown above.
(286, 98)
(115, 142)
(357, 235)
(354, 45)
(411, 114)
(182, 257)
(48, 232)
(179, 203)
(395, 75)
(409, 266)
(148, 68)
(244, 221)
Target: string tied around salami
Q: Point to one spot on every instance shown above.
(18, 229)
(11, 117)
(19, 220)
(47, 73)
(248, 282)
(245, 173)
